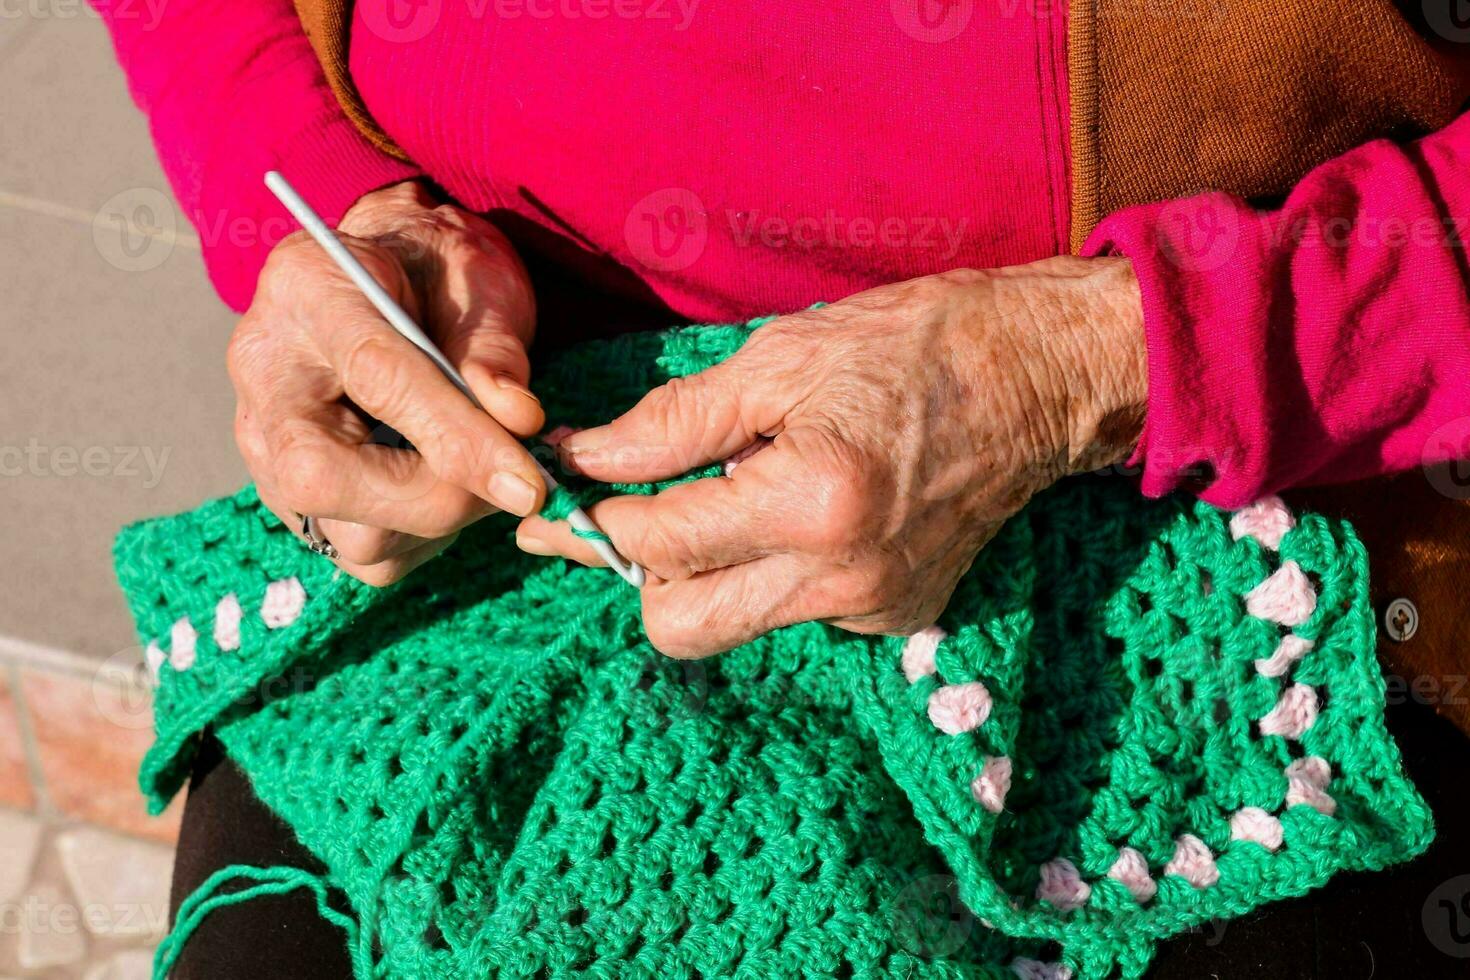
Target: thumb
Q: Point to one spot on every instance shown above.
(687, 422)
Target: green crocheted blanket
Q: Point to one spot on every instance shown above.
(1133, 717)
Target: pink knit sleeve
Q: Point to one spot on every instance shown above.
(232, 89)
(1325, 341)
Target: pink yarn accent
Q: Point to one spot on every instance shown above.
(1294, 713)
(284, 600)
(742, 455)
(1132, 871)
(1028, 969)
(155, 658)
(1062, 885)
(1287, 597)
(1291, 649)
(181, 642)
(1193, 862)
(919, 650)
(994, 782)
(1267, 520)
(556, 435)
(958, 708)
(227, 623)
(1254, 824)
(1306, 783)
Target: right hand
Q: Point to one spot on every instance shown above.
(315, 367)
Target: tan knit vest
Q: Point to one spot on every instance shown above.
(1171, 97)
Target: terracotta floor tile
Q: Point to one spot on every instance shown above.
(90, 737)
(15, 780)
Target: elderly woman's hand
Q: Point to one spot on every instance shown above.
(316, 369)
(907, 423)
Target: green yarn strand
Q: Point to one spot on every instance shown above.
(277, 880)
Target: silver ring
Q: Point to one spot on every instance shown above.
(316, 541)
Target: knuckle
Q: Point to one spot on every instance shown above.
(373, 365)
(306, 478)
(379, 576)
(839, 511)
(444, 523)
(363, 545)
(249, 440)
(666, 553)
(244, 351)
(456, 457)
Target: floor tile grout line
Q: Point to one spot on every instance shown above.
(28, 743)
(80, 216)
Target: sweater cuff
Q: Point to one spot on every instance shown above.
(330, 163)
(1205, 426)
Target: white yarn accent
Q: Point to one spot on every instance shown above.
(1295, 712)
(1193, 862)
(994, 782)
(1267, 520)
(1132, 871)
(181, 644)
(1306, 784)
(1254, 824)
(1286, 597)
(1291, 649)
(284, 600)
(1029, 969)
(959, 708)
(227, 617)
(1062, 885)
(919, 650)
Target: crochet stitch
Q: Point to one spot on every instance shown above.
(1133, 717)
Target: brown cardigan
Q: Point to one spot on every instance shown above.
(1171, 97)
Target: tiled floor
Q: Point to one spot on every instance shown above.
(113, 406)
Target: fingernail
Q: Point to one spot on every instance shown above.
(508, 383)
(534, 545)
(510, 492)
(584, 441)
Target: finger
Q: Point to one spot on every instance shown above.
(363, 544)
(391, 380)
(310, 469)
(393, 569)
(537, 536)
(685, 423)
(380, 573)
(716, 611)
(496, 368)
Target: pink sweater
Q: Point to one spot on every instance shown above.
(729, 160)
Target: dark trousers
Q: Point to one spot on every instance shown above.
(1411, 921)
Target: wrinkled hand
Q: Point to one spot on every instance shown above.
(316, 369)
(907, 424)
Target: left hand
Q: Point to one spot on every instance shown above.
(908, 423)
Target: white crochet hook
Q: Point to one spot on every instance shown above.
(403, 323)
